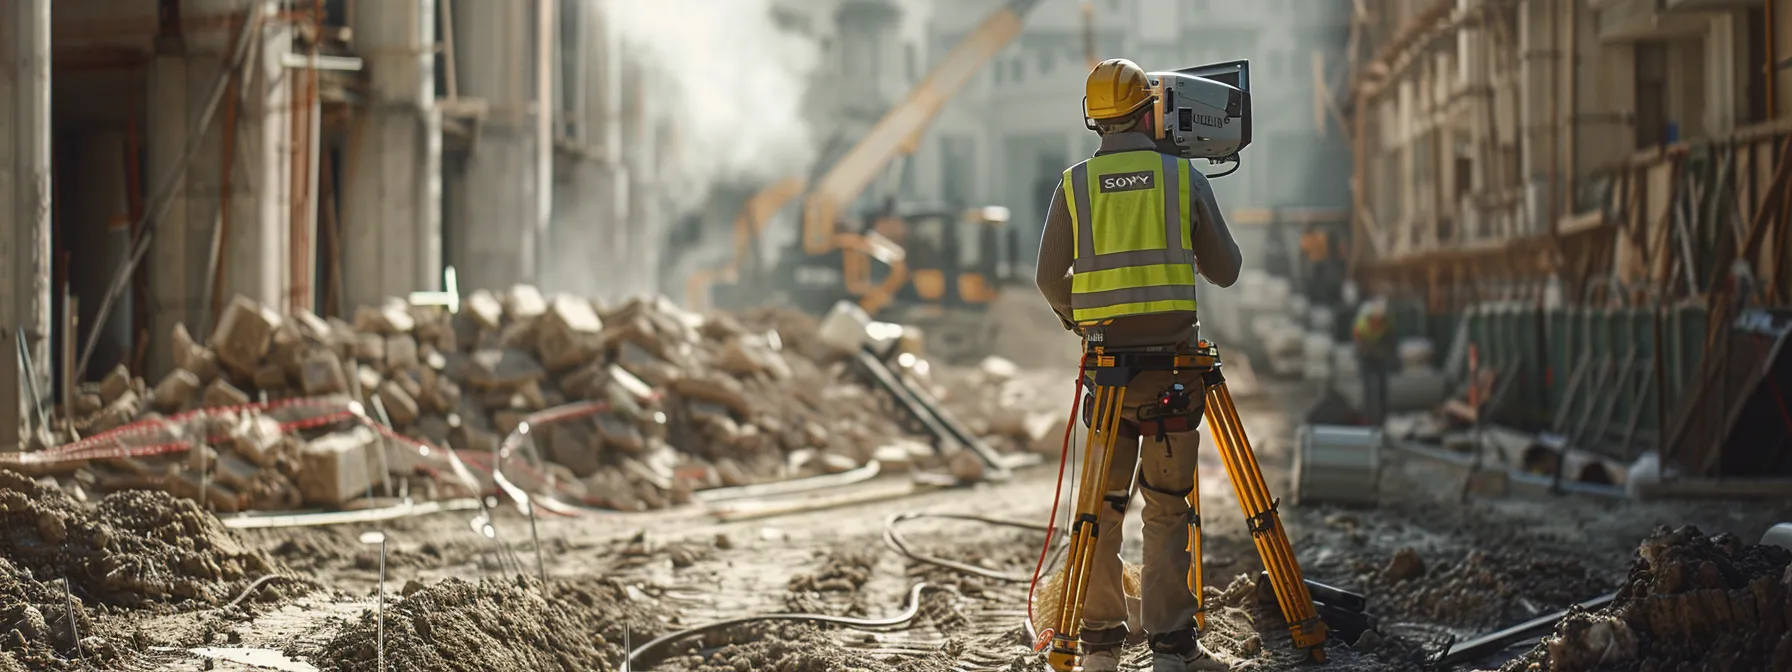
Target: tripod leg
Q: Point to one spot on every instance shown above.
(1098, 456)
(1265, 523)
(1195, 580)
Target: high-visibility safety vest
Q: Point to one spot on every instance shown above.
(1371, 327)
(1133, 236)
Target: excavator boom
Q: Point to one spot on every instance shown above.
(900, 130)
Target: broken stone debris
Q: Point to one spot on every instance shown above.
(692, 401)
(1691, 602)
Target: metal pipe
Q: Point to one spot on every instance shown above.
(544, 132)
(1573, 153)
(1768, 71)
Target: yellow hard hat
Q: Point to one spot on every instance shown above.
(1117, 87)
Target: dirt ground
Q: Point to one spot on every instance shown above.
(154, 584)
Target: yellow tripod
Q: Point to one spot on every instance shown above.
(1111, 370)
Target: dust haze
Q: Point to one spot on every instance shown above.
(724, 88)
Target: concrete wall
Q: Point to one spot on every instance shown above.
(24, 210)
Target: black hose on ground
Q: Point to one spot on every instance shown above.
(896, 542)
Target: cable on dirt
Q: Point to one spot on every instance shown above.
(898, 543)
(250, 590)
(908, 614)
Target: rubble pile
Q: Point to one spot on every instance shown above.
(690, 402)
(1692, 602)
(459, 625)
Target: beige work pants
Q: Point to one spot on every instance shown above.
(1166, 471)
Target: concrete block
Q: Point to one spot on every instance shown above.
(339, 467)
(408, 382)
(524, 303)
(370, 348)
(721, 389)
(586, 382)
(643, 364)
(315, 329)
(394, 317)
(257, 438)
(503, 369)
(573, 444)
(506, 421)
(321, 373)
(484, 308)
(270, 378)
(441, 396)
(751, 355)
(244, 334)
(88, 403)
(115, 384)
(399, 404)
(568, 334)
(369, 380)
(222, 393)
(401, 352)
(473, 439)
(176, 391)
(342, 338)
(617, 432)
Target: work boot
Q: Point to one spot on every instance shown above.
(1182, 652)
(1101, 648)
(1104, 660)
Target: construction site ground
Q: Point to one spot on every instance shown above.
(1430, 568)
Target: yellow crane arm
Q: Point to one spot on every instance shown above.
(901, 128)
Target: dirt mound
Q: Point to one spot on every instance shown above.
(1482, 590)
(459, 626)
(134, 549)
(1691, 603)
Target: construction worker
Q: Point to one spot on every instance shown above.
(1374, 357)
(1152, 223)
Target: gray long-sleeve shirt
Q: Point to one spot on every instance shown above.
(1216, 257)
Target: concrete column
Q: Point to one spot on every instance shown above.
(255, 255)
(492, 236)
(1726, 54)
(24, 211)
(589, 253)
(392, 225)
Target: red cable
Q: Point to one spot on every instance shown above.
(1058, 492)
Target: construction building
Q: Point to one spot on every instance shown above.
(1600, 186)
(309, 154)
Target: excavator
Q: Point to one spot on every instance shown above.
(932, 266)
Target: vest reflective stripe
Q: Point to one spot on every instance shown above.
(1120, 266)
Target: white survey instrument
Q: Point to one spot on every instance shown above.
(1204, 112)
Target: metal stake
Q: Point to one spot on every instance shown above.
(74, 631)
(380, 613)
(379, 406)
